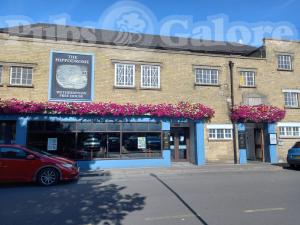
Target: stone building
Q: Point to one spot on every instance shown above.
(55, 63)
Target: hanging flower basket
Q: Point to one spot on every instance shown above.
(186, 110)
(259, 113)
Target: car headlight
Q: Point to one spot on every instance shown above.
(67, 165)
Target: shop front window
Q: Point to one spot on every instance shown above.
(7, 132)
(141, 145)
(88, 140)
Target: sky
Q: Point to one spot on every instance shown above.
(241, 20)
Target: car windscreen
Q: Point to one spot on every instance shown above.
(39, 151)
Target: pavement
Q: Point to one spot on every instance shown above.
(177, 168)
(223, 194)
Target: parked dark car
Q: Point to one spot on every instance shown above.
(25, 164)
(293, 156)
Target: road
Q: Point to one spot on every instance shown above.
(217, 197)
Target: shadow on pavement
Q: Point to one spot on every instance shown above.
(201, 220)
(68, 203)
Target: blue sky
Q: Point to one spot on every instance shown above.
(251, 13)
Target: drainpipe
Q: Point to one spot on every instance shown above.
(231, 65)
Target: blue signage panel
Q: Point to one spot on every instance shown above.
(71, 77)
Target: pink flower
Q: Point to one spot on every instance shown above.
(186, 110)
(259, 113)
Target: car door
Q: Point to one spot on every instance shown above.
(14, 165)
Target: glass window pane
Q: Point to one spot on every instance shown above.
(141, 126)
(141, 145)
(70, 126)
(113, 127)
(124, 75)
(150, 76)
(100, 126)
(206, 76)
(154, 126)
(53, 126)
(7, 132)
(113, 145)
(36, 125)
(128, 126)
(285, 62)
(12, 153)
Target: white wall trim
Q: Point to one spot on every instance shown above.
(288, 124)
(219, 126)
(291, 90)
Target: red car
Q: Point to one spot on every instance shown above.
(26, 164)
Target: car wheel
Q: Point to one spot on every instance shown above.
(48, 176)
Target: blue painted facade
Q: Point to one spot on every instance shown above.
(270, 151)
(164, 161)
(273, 158)
(242, 151)
(200, 144)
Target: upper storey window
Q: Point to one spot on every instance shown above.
(291, 99)
(21, 76)
(205, 76)
(284, 62)
(247, 78)
(124, 75)
(150, 76)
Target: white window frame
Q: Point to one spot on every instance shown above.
(22, 74)
(284, 62)
(220, 131)
(151, 68)
(291, 97)
(208, 80)
(116, 75)
(246, 74)
(289, 130)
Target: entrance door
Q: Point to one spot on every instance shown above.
(255, 141)
(259, 144)
(179, 144)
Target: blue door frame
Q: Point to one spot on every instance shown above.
(270, 150)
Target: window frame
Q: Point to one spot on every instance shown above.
(220, 132)
(133, 75)
(21, 78)
(41, 129)
(245, 74)
(280, 66)
(296, 100)
(289, 131)
(142, 76)
(210, 76)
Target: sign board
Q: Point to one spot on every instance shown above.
(52, 144)
(71, 77)
(242, 140)
(273, 139)
(141, 142)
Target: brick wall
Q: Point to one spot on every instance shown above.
(177, 78)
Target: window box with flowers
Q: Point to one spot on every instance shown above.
(257, 114)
